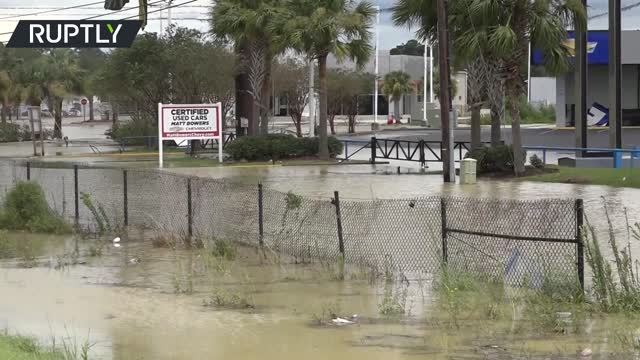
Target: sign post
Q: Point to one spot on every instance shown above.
(84, 103)
(181, 122)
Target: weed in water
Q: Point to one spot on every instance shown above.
(328, 312)
(224, 249)
(619, 291)
(103, 225)
(222, 298)
(394, 298)
(628, 340)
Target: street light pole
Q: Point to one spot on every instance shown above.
(424, 87)
(431, 74)
(375, 92)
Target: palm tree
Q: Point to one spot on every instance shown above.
(318, 28)
(247, 23)
(507, 27)
(396, 85)
(53, 77)
(500, 30)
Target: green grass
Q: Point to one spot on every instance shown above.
(610, 177)
(24, 348)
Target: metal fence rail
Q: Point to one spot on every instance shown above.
(523, 241)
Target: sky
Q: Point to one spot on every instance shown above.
(390, 36)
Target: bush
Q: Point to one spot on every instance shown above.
(13, 132)
(136, 127)
(26, 208)
(493, 159)
(278, 146)
(536, 162)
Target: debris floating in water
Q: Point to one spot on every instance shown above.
(586, 353)
(116, 245)
(116, 240)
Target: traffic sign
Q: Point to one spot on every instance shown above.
(83, 101)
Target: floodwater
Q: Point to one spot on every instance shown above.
(142, 302)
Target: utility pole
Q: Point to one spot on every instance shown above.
(169, 13)
(580, 71)
(446, 152)
(615, 104)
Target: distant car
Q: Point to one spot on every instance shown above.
(45, 113)
(75, 112)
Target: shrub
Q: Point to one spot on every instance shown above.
(536, 162)
(13, 132)
(493, 159)
(136, 127)
(26, 208)
(278, 146)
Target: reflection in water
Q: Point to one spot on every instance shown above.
(130, 309)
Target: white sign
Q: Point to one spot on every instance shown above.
(190, 122)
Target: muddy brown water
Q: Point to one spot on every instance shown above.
(131, 303)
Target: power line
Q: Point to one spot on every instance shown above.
(54, 10)
(164, 8)
(119, 11)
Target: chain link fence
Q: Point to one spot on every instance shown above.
(524, 242)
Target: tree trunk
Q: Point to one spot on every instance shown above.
(476, 137)
(3, 113)
(265, 99)
(90, 100)
(332, 124)
(323, 151)
(352, 124)
(57, 114)
(297, 120)
(516, 137)
(496, 136)
(396, 110)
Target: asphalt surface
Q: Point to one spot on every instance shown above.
(531, 136)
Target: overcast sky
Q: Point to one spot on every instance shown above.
(390, 36)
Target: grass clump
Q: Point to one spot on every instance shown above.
(224, 249)
(15, 347)
(328, 311)
(221, 298)
(26, 208)
(100, 218)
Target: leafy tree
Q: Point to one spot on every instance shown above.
(90, 61)
(291, 83)
(345, 89)
(318, 28)
(396, 85)
(411, 47)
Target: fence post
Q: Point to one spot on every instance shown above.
(443, 215)
(579, 244)
(374, 144)
(336, 198)
(260, 216)
(76, 194)
(125, 199)
(189, 209)
(28, 170)
(422, 159)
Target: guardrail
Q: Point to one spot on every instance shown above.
(616, 154)
(404, 150)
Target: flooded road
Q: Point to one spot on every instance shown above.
(143, 302)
